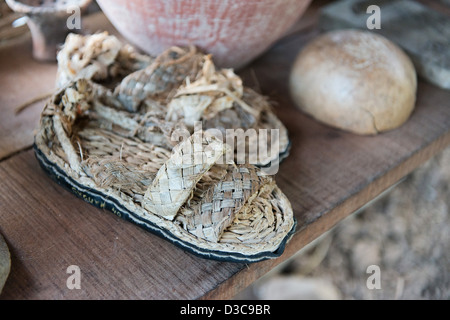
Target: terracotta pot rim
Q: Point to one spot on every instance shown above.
(236, 32)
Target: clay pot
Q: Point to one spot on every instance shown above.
(234, 31)
(47, 20)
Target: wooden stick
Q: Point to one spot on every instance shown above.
(34, 100)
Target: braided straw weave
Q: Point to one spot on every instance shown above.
(157, 81)
(176, 179)
(221, 203)
(117, 151)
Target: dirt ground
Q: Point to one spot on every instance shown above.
(405, 234)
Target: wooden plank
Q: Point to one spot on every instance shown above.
(21, 80)
(329, 175)
(47, 230)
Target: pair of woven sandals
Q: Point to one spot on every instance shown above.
(122, 132)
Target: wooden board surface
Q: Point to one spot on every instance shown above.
(21, 80)
(329, 175)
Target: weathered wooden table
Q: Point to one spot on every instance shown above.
(328, 176)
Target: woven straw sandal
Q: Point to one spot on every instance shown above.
(108, 136)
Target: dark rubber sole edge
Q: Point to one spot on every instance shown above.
(100, 200)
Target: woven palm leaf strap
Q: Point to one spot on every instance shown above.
(176, 179)
(208, 218)
(156, 81)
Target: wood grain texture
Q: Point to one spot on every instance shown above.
(48, 229)
(328, 175)
(21, 80)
